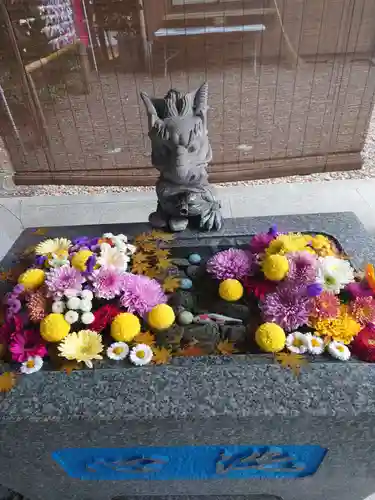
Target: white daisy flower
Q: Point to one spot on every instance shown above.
(87, 318)
(339, 350)
(296, 342)
(141, 355)
(70, 292)
(333, 273)
(85, 305)
(112, 257)
(71, 317)
(118, 351)
(32, 365)
(58, 307)
(87, 294)
(74, 303)
(58, 260)
(315, 345)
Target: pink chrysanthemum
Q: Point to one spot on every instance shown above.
(363, 310)
(141, 294)
(26, 344)
(287, 308)
(325, 306)
(260, 242)
(230, 264)
(107, 283)
(63, 278)
(302, 267)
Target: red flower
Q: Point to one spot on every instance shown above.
(363, 345)
(104, 316)
(259, 287)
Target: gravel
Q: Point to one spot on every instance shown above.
(367, 172)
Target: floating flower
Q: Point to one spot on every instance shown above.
(82, 346)
(36, 306)
(87, 294)
(363, 310)
(85, 305)
(275, 267)
(120, 241)
(287, 308)
(61, 279)
(322, 246)
(314, 290)
(111, 257)
(32, 279)
(58, 307)
(104, 317)
(87, 318)
(297, 342)
(338, 350)
(70, 292)
(359, 289)
(363, 345)
(51, 246)
(141, 294)
(25, 344)
(141, 355)
(327, 305)
(125, 327)
(315, 345)
(270, 337)
(258, 287)
(59, 259)
(80, 259)
(71, 317)
(32, 365)
(287, 243)
(73, 303)
(230, 264)
(118, 351)
(343, 328)
(370, 276)
(259, 242)
(334, 273)
(302, 267)
(54, 327)
(107, 282)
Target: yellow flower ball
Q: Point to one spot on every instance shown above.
(125, 327)
(230, 290)
(275, 267)
(80, 258)
(270, 337)
(32, 279)
(54, 327)
(161, 317)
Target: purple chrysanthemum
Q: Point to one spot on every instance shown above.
(302, 267)
(288, 307)
(60, 279)
(107, 283)
(230, 264)
(260, 241)
(141, 294)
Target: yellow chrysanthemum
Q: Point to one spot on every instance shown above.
(80, 258)
(32, 279)
(82, 346)
(322, 246)
(343, 328)
(50, 246)
(286, 243)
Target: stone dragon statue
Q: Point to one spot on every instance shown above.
(181, 152)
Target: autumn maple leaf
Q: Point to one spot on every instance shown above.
(161, 253)
(164, 264)
(226, 347)
(152, 273)
(149, 247)
(7, 381)
(161, 235)
(140, 268)
(140, 258)
(161, 355)
(142, 238)
(191, 350)
(171, 284)
(291, 360)
(145, 338)
(69, 366)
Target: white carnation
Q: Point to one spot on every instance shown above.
(334, 274)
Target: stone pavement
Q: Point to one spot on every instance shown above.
(356, 196)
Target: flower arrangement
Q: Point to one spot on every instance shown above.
(100, 298)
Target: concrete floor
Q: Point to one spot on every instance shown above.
(356, 196)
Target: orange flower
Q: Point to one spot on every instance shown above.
(370, 276)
